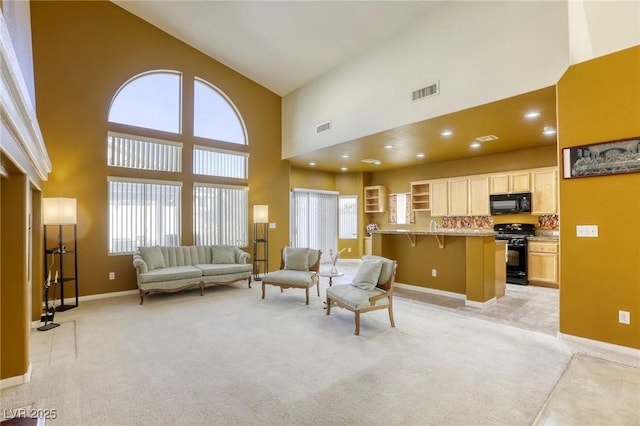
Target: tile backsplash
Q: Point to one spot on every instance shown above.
(481, 222)
(548, 221)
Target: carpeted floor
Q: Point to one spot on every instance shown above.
(230, 358)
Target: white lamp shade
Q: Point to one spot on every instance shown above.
(59, 211)
(260, 214)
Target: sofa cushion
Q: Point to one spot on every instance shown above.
(388, 266)
(221, 268)
(367, 275)
(152, 257)
(223, 254)
(170, 273)
(354, 297)
(296, 259)
(291, 277)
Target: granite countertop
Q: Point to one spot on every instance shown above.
(544, 238)
(546, 235)
(459, 232)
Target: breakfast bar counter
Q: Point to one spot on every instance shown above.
(453, 262)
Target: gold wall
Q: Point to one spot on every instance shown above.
(83, 52)
(599, 101)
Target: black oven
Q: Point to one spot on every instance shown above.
(516, 235)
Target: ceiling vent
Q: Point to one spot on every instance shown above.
(323, 127)
(425, 92)
(487, 138)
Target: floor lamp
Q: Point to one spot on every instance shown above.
(260, 240)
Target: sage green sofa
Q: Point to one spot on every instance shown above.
(176, 268)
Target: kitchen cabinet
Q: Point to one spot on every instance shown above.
(478, 196)
(368, 246)
(375, 199)
(420, 201)
(439, 194)
(458, 196)
(504, 183)
(543, 261)
(544, 193)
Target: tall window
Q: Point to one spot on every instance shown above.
(314, 220)
(145, 212)
(348, 216)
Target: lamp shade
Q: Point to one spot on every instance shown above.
(60, 211)
(260, 214)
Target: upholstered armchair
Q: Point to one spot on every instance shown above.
(298, 269)
(370, 289)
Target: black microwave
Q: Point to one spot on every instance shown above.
(510, 203)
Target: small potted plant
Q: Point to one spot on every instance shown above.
(372, 227)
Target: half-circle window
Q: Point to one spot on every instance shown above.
(150, 100)
(214, 115)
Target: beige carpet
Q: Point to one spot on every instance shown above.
(230, 358)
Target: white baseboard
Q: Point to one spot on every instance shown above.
(17, 380)
(596, 344)
(431, 291)
(480, 305)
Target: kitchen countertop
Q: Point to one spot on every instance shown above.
(458, 232)
(544, 238)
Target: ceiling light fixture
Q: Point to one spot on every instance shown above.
(388, 146)
(446, 132)
(475, 145)
(345, 155)
(532, 114)
(312, 164)
(549, 130)
(420, 155)
(377, 163)
(344, 169)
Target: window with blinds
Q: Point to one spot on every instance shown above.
(348, 217)
(137, 152)
(220, 215)
(314, 220)
(210, 161)
(143, 213)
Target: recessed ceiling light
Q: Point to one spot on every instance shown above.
(388, 146)
(532, 114)
(475, 145)
(345, 155)
(344, 169)
(446, 132)
(312, 164)
(420, 155)
(377, 163)
(549, 130)
(487, 138)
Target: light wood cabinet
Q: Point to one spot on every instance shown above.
(439, 194)
(544, 194)
(420, 196)
(458, 197)
(504, 183)
(479, 196)
(375, 199)
(543, 260)
(368, 245)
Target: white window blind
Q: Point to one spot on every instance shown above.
(220, 215)
(143, 213)
(348, 217)
(137, 152)
(217, 162)
(314, 220)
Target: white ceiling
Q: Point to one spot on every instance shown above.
(282, 45)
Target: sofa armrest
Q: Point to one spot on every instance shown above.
(140, 264)
(241, 256)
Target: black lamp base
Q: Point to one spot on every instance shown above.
(48, 326)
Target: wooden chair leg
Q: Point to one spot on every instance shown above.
(393, 324)
(307, 292)
(328, 306)
(357, 323)
(318, 288)
(263, 289)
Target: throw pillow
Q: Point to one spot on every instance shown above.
(367, 274)
(296, 259)
(152, 257)
(223, 254)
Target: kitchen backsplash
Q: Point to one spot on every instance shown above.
(482, 222)
(548, 221)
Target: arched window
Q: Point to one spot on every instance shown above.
(139, 208)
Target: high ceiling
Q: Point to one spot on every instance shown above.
(283, 45)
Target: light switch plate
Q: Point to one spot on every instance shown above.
(272, 225)
(589, 231)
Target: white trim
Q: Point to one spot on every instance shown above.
(596, 344)
(219, 185)
(111, 133)
(16, 380)
(431, 291)
(315, 191)
(140, 180)
(221, 150)
(481, 305)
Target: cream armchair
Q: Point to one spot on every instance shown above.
(370, 289)
(298, 269)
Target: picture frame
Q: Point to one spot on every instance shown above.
(602, 158)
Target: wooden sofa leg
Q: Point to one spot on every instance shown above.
(357, 323)
(141, 297)
(202, 288)
(249, 281)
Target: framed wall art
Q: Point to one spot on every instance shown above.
(603, 158)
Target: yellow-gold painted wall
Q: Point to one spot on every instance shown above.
(598, 101)
(80, 62)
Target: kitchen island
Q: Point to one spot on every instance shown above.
(454, 262)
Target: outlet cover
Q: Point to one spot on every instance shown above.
(434, 273)
(112, 275)
(589, 231)
(272, 225)
(624, 317)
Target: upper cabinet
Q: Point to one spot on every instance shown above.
(544, 191)
(420, 196)
(503, 183)
(458, 196)
(375, 199)
(479, 196)
(439, 194)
